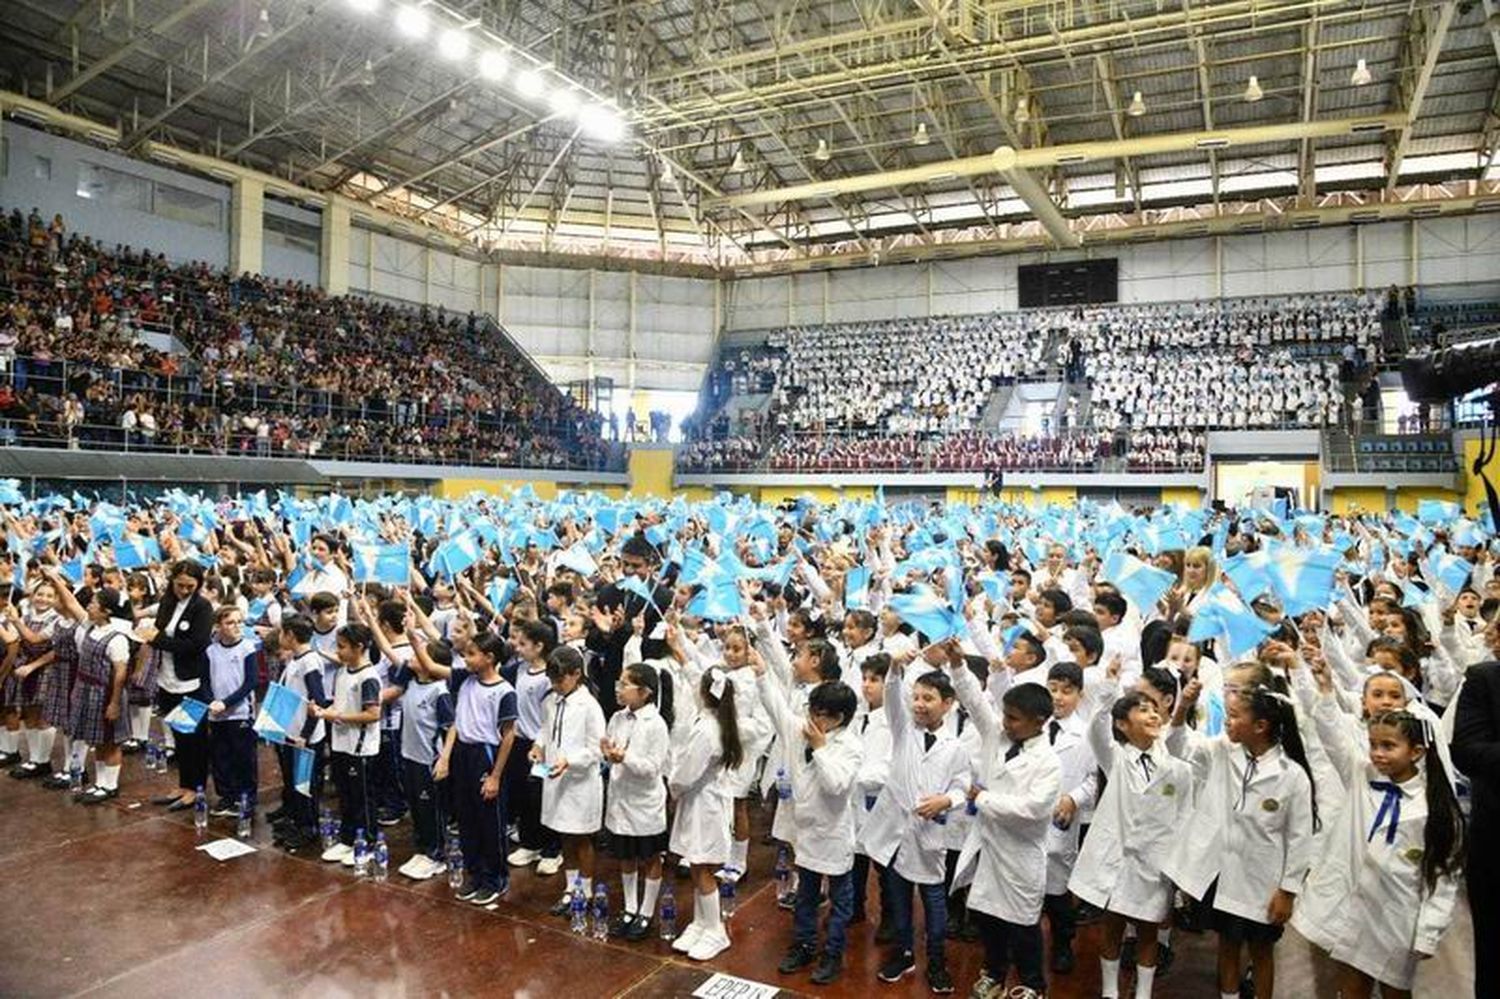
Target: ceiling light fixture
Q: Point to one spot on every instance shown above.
(1361, 74)
(366, 77)
(364, 6)
(1253, 92)
(823, 154)
(921, 138)
(530, 83)
(1137, 105)
(564, 101)
(263, 25)
(453, 44)
(738, 165)
(492, 65)
(600, 121)
(1023, 111)
(411, 22)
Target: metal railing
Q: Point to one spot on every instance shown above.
(603, 457)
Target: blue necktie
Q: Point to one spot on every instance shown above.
(1389, 805)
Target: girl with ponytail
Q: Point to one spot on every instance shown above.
(1247, 846)
(1382, 889)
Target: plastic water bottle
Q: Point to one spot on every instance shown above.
(783, 784)
(726, 898)
(247, 818)
(200, 811)
(578, 906)
(783, 872)
(601, 912)
(381, 861)
(75, 777)
(161, 759)
(326, 829)
(150, 757)
(971, 807)
(361, 853)
(668, 920)
(455, 863)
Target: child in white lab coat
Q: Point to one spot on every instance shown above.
(1382, 890)
(568, 752)
(637, 747)
(1247, 846)
(1013, 797)
(823, 755)
(874, 770)
(1147, 797)
(1067, 734)
(700, 830)
(929, 776)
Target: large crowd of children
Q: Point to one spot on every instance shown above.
(1238, 719)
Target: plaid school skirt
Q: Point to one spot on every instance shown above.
(86, 721)
(141, 692)
(23, 694)
(57, 682)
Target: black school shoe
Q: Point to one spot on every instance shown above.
(797, 958)
(56, 782)
(1164, 957)
(897, 967)
(828, 970)
(1063, 961)
(938, 978)
(98, 795)
(28, 771)
(640, 929)
(9, 759)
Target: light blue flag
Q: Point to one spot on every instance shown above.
(1249, 573)
(73, 570)
(302, 770)
(278, 713)
(187, 716)
(1416, 596)
(106, 524)
(1213, 723)
(500, 591)
(136, 551)
(638, 586)
(1452, 571)
(544, 538)
(996, 586)
(717, 601)
(1434, 513)
(1009, 635)
(928, 613)
(10, 492)
(698, 567)
(579, 560)
(193, 531)
(1157, 538)
(1303, 579)
(1467, 535)
(257, 609)
(387, 564)
(1142, 584)
(1224, 615)
(857, 588)
(457, 554)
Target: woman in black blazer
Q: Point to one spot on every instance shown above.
(181, 634)
(1476, 754)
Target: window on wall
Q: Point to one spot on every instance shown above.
(41, 168)
(291, 234)
(113, 187)
(182, 205)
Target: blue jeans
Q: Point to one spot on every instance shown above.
(934, 907)
(841, 910)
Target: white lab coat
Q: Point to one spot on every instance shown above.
(1366, 902)
(820, 786)
(571, 729)
(1080, 781)
(893, 828)
(1005, 857)
(1254, 832)
(959, 821)
(1137, 820)
(637, 804)
(874, 766)
(700, 830)
(755, 731)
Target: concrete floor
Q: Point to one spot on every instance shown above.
(115, 899)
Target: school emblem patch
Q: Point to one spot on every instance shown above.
(1169, 791)
(1270, 804)
(1413, 854)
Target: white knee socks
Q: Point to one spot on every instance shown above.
(1143, 979)
(712, 921)
(140, 723)
(628, 883)
(9, 740)
(1110, 972)
(40, 742)
(648, 897)
(78, 754)
(106, 776)
(739, 855)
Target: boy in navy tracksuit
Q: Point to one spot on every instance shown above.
(426, 715)
(297, 818)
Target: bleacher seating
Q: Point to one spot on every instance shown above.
(271, 367)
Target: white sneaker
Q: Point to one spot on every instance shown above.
(710, 944)
(432, 868)
(548, 866)
(349, 860)
(339, 853)
(522, 857)
(412, 867)
(688, 938)
(730, 874)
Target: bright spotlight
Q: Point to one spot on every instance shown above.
(602, 123)
(564, 101)
(453, 44)
(492, 65)
(530, 83)
(411, 22)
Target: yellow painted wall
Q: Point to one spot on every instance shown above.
(1407, 497)
(651, 471)
(1060, 495)
(1189, 496)
(459, 488)
(960, 494)
(1366, 500)
(1475, 500)
(820, 494)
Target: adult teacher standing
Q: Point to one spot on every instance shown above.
(182, 632)
(1476, 754)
